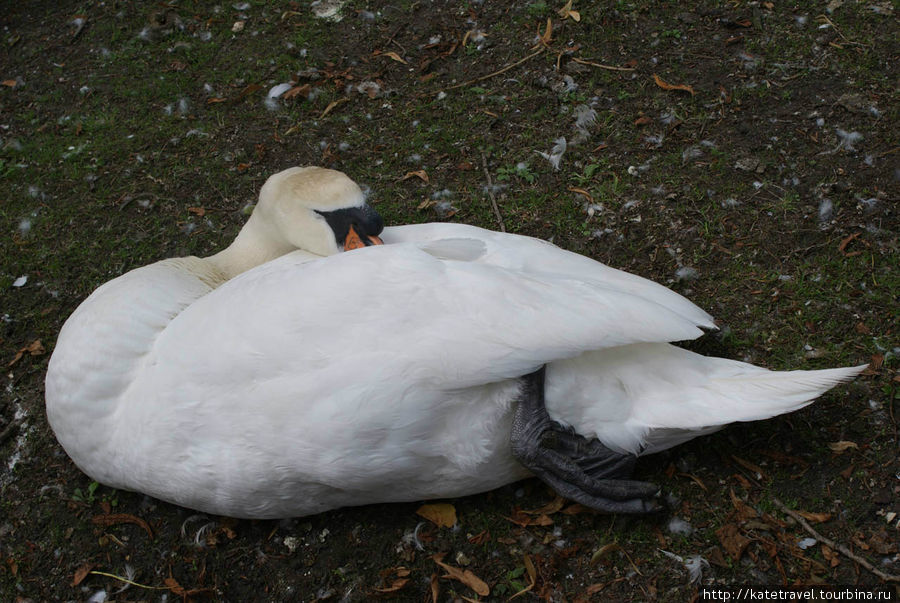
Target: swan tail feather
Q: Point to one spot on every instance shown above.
(644, 398)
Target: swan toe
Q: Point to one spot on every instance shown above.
(581, 469)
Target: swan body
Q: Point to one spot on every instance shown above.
(284, 376)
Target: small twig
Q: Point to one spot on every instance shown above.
(490, 190)
(834, 545)
(495, 73)
(600, 66)
(127, 581)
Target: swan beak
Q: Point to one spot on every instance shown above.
(355, 240)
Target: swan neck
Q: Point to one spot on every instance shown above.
(250, 249)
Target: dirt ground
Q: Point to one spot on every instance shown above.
(743, 153)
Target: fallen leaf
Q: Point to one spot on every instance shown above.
(81, 573)
(842, 446)
(420, 174)
(197, 211)
(643, 120)
(831, 557)
(35, 348)
(532, 577)
(732, 540)
(119, 518)
(332, 105)
(760, 474)
(520, 518)
(582, 192)
(567, 12)
(576, 509)
(442, 515)
(695, 479)
(667, 86)
(604, 551)
(248, 90)
(173, 586)
(552, 507)
(393, 55)
(399, 582)
(435, 588)
(480, 538)
(464, 576)
(529, 567)
(10, 83)
(744, 511)
(846, 241)
(547, 36)
(814, 517)
(297, 91)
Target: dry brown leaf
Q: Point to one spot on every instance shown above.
(480, 538)
(814, 517)
(332, 105)
(750, 466)
(576, 509)
(10, 83)
(567, 12)
(695, 479)
(732, 540)
(846, 241)
(173, 586)
(532, 577)
(520, 518)
(842, 446)
(435, 588)
(35, 348)
(303, 90)
(399, 582)
(81, 573)
(667, 86)
(831, 556)
(603, 551)
(546, 37)
(442, 515)
(529, 567)
(464, 576)
(551, 507)
(197, 211)
(393, 55)
(119, 518)
(582, 192)
(643, 120)
(744, 511)
(248, 90)
(420, 174)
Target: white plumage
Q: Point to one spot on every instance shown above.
(265, 382)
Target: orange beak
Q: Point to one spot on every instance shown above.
(354, 240)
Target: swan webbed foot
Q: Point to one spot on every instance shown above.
(576, 467)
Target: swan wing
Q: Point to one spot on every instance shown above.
(446, 311)
(532, 256)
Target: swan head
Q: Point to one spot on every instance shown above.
(317, 210)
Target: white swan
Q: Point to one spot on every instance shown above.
(281, 378)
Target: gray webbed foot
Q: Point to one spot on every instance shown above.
(578, 468)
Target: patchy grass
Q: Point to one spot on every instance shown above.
(145, 134)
